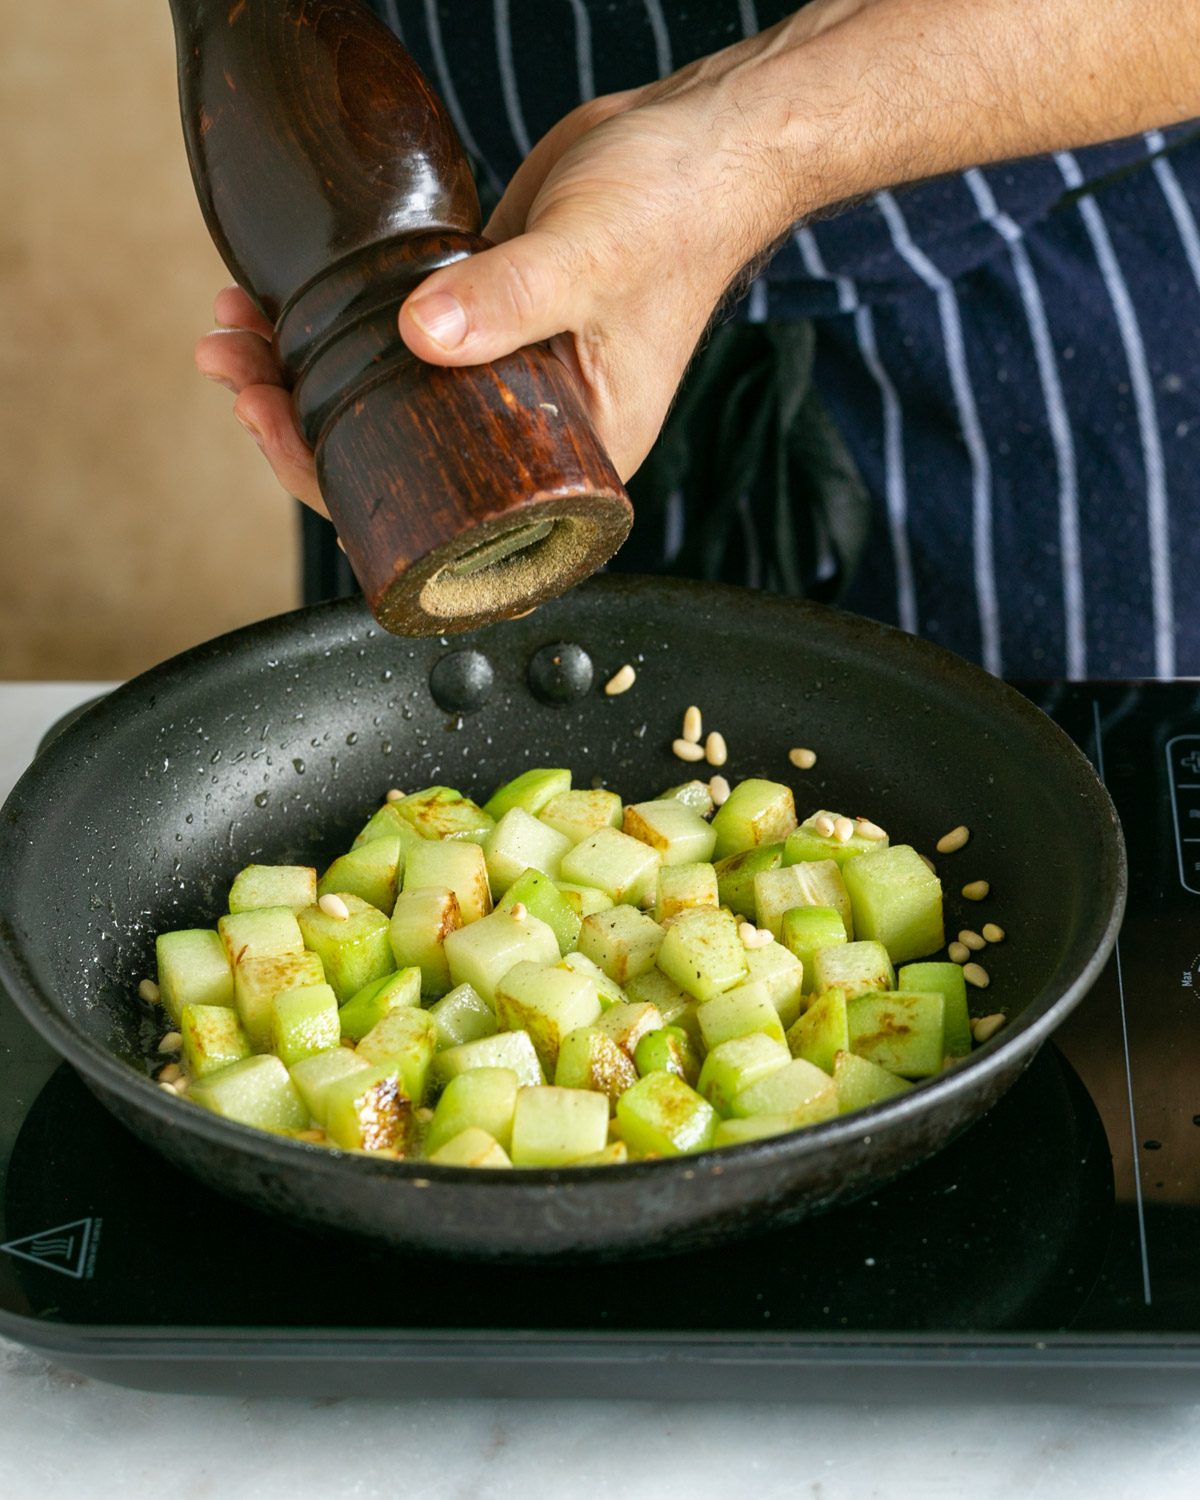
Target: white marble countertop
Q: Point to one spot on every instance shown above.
(62, 1436)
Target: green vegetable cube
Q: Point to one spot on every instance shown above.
(262, 933)
(736, 873)
(861, 1083)
(755, 1128)
(193, 969)
(805, 929)
(518, 843)
(613, 1155)
(654, 988)
(703, 953)
(685, 886)
(304, 1021)
(807, 843)
(553, 1127)
(681, 836)
(854, 968)
(815, 882)
(579, 814)
(354, 951)
(904, 1033)
(693, 794)
(607, 990)
(539, 895)
(404, 1041)
(481, 1099)
(273, 885)
(627, 1023)
(756, 812)
(422, 921)
(590, 1059)
(547, 1003)
(212, 1039)
(661, 1116)
(314, 1075)
(378, 999)
(622, 941)
(439, 812)
(367, 1111)
(897, 900)
(256, 982)
(822, 1031)
(946, 980)
(782, 976)
(472, 1148)
(256, 1091)
(530, 791)
(372, 873)
(583, 899)
(455, 864)
(482, 954)
(387, 823)
(462, 1016)
(668, 1050)
(733, 1066)
(799, 1090)
(512, 1050)
(738, 1012)
(616, 864)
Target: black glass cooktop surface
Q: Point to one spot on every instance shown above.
(1053, 1247)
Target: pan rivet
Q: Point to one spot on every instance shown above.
(560, 673)
(462, 681)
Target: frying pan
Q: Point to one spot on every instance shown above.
(274, 744)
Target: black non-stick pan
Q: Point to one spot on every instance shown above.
(275, 743)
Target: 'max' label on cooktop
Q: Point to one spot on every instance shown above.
(69, 1249)
(1183, 768)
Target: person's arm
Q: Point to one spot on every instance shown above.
(628, 222)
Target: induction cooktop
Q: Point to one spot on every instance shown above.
(1053, 1249)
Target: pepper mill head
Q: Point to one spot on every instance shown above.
(333, 182)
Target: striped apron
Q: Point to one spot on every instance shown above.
(1011, 354)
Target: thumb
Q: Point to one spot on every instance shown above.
(518, 293)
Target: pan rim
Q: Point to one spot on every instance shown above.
(1020, 1039)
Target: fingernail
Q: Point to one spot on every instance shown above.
(219, 380)
(250, 428)
(441, 317)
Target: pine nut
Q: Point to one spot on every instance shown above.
(341, 544)
(983, 1028)
(693, 725)
(869, 830)
(718, 790)
(993, 933)
(802, 759)
(170, 1073)
(685, 750)
(971, 940)
(394, 795)
(171, 1042)
(335, 907)
(518, 911)
(765, 937)
(958, 953)
(748, 934)
(621, 681)
(423, 1115)
(824, 826)
(976, 890)
(715, 752)
(977, 975)
(180, 1085)
(843, 830)
(950, 842)
(149, 992)
(170, 1088)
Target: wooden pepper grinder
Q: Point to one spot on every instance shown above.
(332, 182)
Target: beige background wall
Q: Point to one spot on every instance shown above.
(137, 516)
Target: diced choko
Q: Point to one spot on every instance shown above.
(213, 1038)
(404, 1041)
(553, 1127)
(520, 842)
(439, 812)
(578, 814)
(454, 864)
(378, 999)
(680, 836)
(590, 1059)
(854, 968)
(703, 953)
(354, 951)
(304, 1021)
(798, 1089)
(530, 791)
(472, 1148)
(904, 1033)
(622, 941)
(822, 1031)
(256, 982)
(662, 1116)
(542, 898)
(483, 1098)
(371, 872)
(547, 1002)
(482, 953)
(861, 1083)
(736, 873)
(421, 922)
(805, 929)
(507, 1049)
(897, 900)
(256, 1091)
(314, 1075)
(812, 883)
(367, 1111)
(756, 812)
(462, 1016)
(193, 969)
(616, 864)
(273, 885)
(738, 1012)
(733, 1066)
(265, 932)
(682, 887)
(808, 843)
(947, 980)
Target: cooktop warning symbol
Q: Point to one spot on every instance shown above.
(67, 1248)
